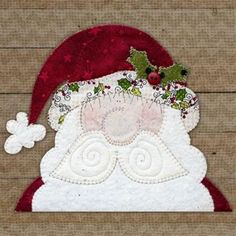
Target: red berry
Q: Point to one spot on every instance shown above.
(154, 78)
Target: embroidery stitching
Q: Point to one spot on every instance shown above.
(174, 95)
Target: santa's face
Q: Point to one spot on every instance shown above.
(114, 144)
(117, 119)
(121, 128)
(124, 129)
(123, 149)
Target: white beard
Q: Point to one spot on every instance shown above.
(76, 180)
(119, 193)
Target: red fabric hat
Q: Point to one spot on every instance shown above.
(92, 53)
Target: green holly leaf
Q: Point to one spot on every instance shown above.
(74, 87)
(99, 88)
(140, 62)
(184, 105)
(124, 83)
(175, 106)
(176, 72)
(180, 94)
(96, 90)
(61, 119)
(136, 91)
(166, 95)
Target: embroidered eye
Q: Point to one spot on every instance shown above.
(162, 75)
(184, 72)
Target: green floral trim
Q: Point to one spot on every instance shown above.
(174, 95)
(74, 87)
(61, 119)
(136, 91)
(124, 83)
(170, 91)
(130, 86)
(180, 94)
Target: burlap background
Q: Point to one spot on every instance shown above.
(200, 34)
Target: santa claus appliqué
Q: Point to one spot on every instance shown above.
(122, 113)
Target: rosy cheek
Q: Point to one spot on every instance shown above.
(124, 114)
(152, 118)
(91, 119)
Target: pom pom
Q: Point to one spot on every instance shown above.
(23, 134)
